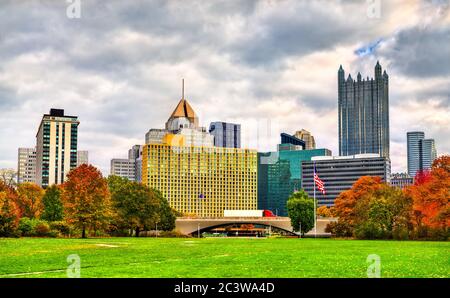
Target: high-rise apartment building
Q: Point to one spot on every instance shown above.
(307, 137)
(26, 168)
(82, 157)
(196, 177)
(226, 134)
(421, 152)
(339, 173)
(56, 147)
(363, 110)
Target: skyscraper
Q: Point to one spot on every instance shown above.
(363, 110)
(307, 137)
(56, 147)
(421, 152)
(226, 134)
(413, 144)
(26, 167)
(196, 177)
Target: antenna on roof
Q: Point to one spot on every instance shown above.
(182, 90)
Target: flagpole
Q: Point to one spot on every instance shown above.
(314, 183)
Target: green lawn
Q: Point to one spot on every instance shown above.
(150, 257)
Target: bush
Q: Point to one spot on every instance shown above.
(61, 227)
(172, 234)
(400, 233)
(339, 229)
(370, 230)
(42, 229)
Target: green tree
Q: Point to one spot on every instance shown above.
(53, 207)
(138, 207)
(301, 211)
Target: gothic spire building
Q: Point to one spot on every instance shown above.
(363, 107)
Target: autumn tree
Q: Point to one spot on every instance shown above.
(325, 211)
(301, 211)
(86, 199)
(9, 211)
(52, 204)
(431, 197)
(29, 199)
(138, 207)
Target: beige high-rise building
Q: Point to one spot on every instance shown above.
(56, 147)
(82, 157)
(306, 136)
(26, 167)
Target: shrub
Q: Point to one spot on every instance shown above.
(61, 227)
(26, 226)
(370, 230)
(172, 234)
(42, 229)
(339, 229)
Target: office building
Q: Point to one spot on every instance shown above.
(421, 152)
(307, 137)
(280, 174)
(26, 168)
(339, 173)
(226, 134)
(291, 140)
(123, 167)
(401, 180)
(56, 147)
(82, 157)
(363, 111)
(197, 178)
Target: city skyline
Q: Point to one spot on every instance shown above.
(128, 81)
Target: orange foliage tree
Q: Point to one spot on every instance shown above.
(86, 199)
(9, 211)
(29, 199)
(431, 196)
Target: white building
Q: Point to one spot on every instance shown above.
(26, 167)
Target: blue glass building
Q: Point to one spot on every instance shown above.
(226, 134)
(280, 174)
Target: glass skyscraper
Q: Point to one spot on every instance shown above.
(421, 152)
(226, 134)
(280, 174)
(363, 107)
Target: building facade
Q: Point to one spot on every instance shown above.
(226, 134)
(421, 152)
(339, 173)
(401, 180)
(56, 147)
(82, 158)
(123, 167)
(280, 174)
(363, 111)
(26, 168)
(197, 178)
(307, 137)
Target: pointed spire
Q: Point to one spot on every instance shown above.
(359, 76)
(349, 78)
(340, 68)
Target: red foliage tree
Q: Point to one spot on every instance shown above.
(86, 199)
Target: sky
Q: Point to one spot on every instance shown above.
(269, 65)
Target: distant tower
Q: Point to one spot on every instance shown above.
(183, 116)
(363, 111)
(421, 152)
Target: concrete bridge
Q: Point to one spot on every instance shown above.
(187, 226)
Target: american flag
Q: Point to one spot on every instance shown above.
(319, 183)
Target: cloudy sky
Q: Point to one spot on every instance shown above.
(269, 65)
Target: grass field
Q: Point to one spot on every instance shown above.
(211, 257)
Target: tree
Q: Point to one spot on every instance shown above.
(53, 207)
(9, 211)
(29, 199)
(325, 211)
(139, 207)
(86, 199)
(431, 197)
(301, 211)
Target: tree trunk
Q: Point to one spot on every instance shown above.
(83, 233)
(137, 231)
